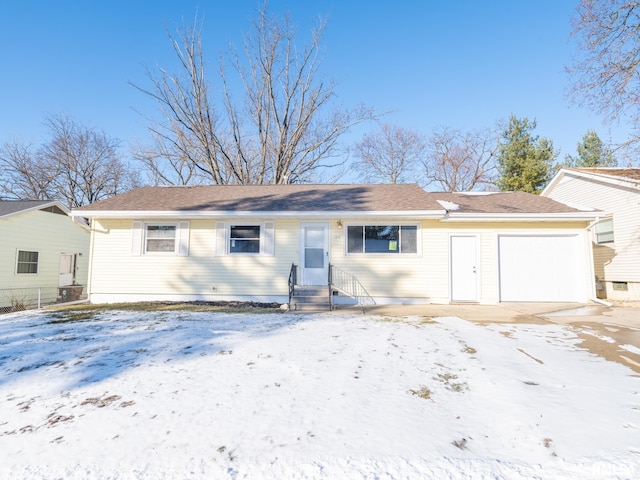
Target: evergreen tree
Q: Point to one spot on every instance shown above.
(591, 153)
(525, 161)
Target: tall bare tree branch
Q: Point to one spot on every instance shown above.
(461, 161)
(78, 165)
(280, 127)
(391, 155)
(605, 74)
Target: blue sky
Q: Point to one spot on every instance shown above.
(465, 64)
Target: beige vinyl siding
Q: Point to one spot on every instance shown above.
(620, 260)
(487, 270)
(50, 235)
(426, 274)
(419, 277)
(117, 271)
(405, 276)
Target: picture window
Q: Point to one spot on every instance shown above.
(382, 239)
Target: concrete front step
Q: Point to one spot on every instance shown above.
(310, 307)
(301, 291)
(310, 299)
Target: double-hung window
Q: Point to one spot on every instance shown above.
(27, 262)
(382, 239)
(245, 238)
(160, 238)
(604, 231)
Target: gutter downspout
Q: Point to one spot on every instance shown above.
(594, 297)
(92, 231)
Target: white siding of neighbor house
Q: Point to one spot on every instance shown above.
(618, 261)
(50, 234)
(117, 274)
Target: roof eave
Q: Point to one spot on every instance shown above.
(523, 217)
(195, 214)
(610, 179)
(53, 203)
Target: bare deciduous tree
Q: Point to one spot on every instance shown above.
(461, 161)
(605, 75)
(280, 128)
(78, 165)
(23, 175)
(391, 154)
(163, 167)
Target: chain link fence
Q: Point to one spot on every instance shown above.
(18, 299)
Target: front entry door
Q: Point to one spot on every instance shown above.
(67, 267)
(464, 278)
(314, 254)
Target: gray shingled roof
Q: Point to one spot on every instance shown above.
(320, 198)
(503, 202)
(628, 174)
(10, 207)
(270, 198)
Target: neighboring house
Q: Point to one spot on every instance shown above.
(42, 249)
(394, 243)
(616, 236)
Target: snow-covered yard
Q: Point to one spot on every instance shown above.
(201, 395)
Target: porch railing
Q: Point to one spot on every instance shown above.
(349, 285)
(293, 280)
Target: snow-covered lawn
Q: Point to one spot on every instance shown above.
(201, 395)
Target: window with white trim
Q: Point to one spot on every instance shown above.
(245, 238)
(604, 231)
(27, 262)
(160, 238)
(382, 239)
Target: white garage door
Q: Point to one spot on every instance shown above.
(542, 268)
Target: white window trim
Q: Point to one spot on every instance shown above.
(18, 256)
(417, 253)
(596, 232)
(139, 238)
(267, 238)
(245, 224)
(160, 224)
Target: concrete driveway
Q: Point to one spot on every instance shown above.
(610, 332)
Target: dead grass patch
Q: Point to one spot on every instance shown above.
(101, 402)
(81, 312)
(530, 356)
(422, 392)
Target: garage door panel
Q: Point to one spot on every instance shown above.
(541, 268)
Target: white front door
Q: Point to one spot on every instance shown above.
(464, 277)
(314, 254)
(65, 277)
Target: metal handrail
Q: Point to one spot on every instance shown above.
(329, 282)
(293, 280)
(350, 285)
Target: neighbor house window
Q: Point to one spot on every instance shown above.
(604, 231)
(27, 262)
(244, 239)
(382, 239)
(160, 238)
